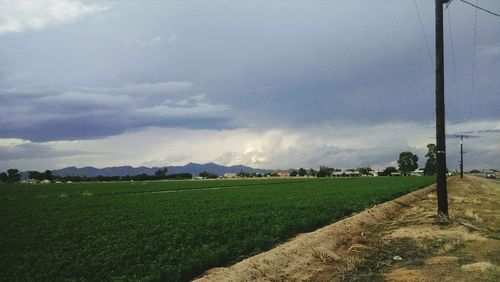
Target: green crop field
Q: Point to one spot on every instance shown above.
(168, 230)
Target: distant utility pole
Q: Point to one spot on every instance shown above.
(462, 136)
(442, 194)
(461, 156)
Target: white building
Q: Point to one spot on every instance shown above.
(346, 173)
(230, 175)
(417, 172)
(29, 181)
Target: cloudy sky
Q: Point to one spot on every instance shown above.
(270, 84)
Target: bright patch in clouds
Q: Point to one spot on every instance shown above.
(21, 15)
(336, 145)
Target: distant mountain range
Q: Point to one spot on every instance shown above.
(192, 168)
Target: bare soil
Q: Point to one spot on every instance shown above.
(401, 240)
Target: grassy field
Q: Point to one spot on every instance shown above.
(170, 230)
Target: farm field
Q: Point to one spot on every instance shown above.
(168, 230)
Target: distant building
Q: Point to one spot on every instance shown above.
(352, 173)
(230, 175)
(338, 173)
(417, 172)
(45, 181)
(395, 173)
(29, 181)
(346, 173)
(283, 173)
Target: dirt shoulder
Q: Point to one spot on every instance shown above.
(396, 241)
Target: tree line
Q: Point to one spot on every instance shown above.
(407, 163)
(242, 174)
(13, 175)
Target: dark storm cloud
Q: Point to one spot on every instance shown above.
(76, 114)
(297, 65)
(26, 151)
(255, 64)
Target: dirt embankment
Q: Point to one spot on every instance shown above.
(397, 241)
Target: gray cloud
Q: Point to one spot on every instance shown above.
(307, 63)
(340, 145)
(257, 65)
(76, 114)
(28, 151)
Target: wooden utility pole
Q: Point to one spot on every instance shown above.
(462, 136)
(461, 156)
(442, 194)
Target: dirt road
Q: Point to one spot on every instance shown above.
(397, 241)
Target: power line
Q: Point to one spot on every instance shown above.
(423, 33)
(482, 9)
(473, 64)
(448, 4)
(454, 66)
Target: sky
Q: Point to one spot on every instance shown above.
(268, 84)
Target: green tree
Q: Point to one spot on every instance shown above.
(13, 175)
(365, 170)
(325, 171)
(204, 174)
(3, 177)
(311, 172)
(388, 170)
(407, 162)
(48, 175)
(302, 171)
(35, 175)
(430, 164)
(161, 173)
(293, 173)
(243, 174)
